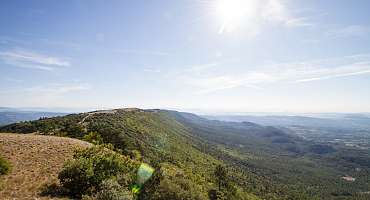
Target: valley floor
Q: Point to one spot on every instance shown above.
(36, 161)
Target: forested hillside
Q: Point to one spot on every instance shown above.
(187, 152)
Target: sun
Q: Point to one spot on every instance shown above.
(234, 13)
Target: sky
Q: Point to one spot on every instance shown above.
(193, 55)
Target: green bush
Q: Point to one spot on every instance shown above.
(4, 166)
(94, 138)
(73, 130)
(87, 170)
(112, 190)
(169, 182)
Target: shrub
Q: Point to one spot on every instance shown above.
(111, 190)
(169, 182)
(4, 166)
(94, 138)
(87, 170)
(73, 130)
(75, 176)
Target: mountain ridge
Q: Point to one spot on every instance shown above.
(263, 160)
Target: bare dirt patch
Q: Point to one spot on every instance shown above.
(36, 161)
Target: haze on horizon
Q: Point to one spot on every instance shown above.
(208, 55)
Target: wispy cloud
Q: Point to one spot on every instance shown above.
(27, 39)
(45, 95)
(143, 52)
(9, 40)
(352, 70)
(295, 72)
(60, 43)
(201, 67)
(57, 89)
(349, 31)
(298, 22)
(278, 11)
(151, 70)
(33, 60)
(213, 84)
(13, 80)
(195, 69)
(274, 10)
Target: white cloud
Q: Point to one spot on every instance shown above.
(152, 70)
(351, 70)
(213, 84)
(349, 31)
(295, 72)
(13, 80)
(29, 59)
(298, 22)
(8, 40)
(48, 95)
(194, 70)
(274, 10)
(57, 89)
(16, 41)
(201, 67)
(143, 52)
(278, 11)
(60, 43)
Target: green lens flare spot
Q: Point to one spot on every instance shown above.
(144, 173)
(135, 189)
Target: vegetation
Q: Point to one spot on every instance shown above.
(195, 158)
(94, 138)
(170, 182)
(90, 169)
(221, 176)
(111, 190)
(5, 166)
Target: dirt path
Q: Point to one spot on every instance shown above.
(89, 114)
(36, 161)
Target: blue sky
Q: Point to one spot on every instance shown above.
(205, 55)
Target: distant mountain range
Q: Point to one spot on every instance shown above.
(333, 120)
(12, 115)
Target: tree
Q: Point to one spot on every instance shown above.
(221, 176)
(216, 195)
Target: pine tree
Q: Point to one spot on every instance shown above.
(221, 176)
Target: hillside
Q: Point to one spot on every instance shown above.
(36, 161)
(262, 161)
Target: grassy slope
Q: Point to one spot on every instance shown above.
(36, 161)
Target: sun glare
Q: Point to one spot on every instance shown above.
(233, 13)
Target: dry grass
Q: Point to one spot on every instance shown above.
(36, 161)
